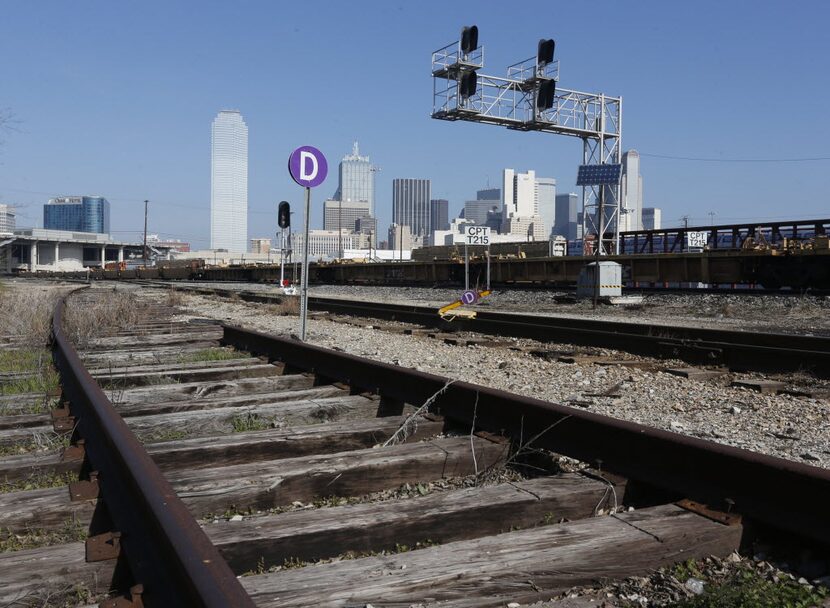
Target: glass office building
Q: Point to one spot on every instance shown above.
(229, 182)
(77, 214)
(410, 205)
(355, 180)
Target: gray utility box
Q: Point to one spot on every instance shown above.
(610, 280)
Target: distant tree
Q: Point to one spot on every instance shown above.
(8, 123)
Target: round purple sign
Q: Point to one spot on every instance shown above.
(469, 297)
(308, 166)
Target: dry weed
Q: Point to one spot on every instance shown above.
(26, 314)
(96, 314)
(289, 305)
(175, 297)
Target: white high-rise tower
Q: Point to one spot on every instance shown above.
(229, 182)
(631, 189)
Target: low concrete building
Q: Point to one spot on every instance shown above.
(34, 249)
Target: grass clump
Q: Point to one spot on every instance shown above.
(289, 305)
(26, 313)
(39, 442)
(94, 314)
(250, 421)
(38, 481)
(71, 531)
(47, 380)
(214, 353)
(746, 588)
(39, 406)
(171, 435)
(24, 360)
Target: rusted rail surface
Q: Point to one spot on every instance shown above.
(737, 349)
(786, 495)
(166, 550)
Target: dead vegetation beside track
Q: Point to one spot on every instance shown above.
(99, 315)
(26, 314)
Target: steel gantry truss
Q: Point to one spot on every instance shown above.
(513, 102)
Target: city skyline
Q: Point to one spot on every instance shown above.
(133, 144)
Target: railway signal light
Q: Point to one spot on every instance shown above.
(544, 56)
(467, 85)
(284, 215)
(546, 95)
(469, 39)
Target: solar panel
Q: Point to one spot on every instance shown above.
(594, 175)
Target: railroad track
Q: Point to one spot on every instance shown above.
(735, 349)
(202, 453)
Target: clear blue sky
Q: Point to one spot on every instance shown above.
(117, 98)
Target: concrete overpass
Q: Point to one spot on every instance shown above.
(38, 249)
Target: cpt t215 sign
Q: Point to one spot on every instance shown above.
(476, 235)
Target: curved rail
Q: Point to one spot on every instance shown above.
(167, 551)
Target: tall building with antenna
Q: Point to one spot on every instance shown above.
(229, 182)
(356, 183)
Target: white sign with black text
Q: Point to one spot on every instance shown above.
(696, 240)
(476, 235)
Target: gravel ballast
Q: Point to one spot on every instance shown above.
(790, 426)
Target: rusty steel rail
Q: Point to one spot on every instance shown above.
(740, 350)
(785, 495)
(168, 553)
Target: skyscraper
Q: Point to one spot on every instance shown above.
(489, 194)
(477, 211)
(546, 201)
(339, 215)
(652, 218)
(355, 180)
(77, 213)
(7, 223)
(520, 204)
(229, 182)
(439, 214)
(631, 193)
(410, 205)
(566, 216)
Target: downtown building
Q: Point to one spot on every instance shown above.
(439, 214)
(521, 209)
(328, 243)
(77, 214)
(631, 193)
(229, 182)
(344, 215)
(411, 205)
(567, 223)
(652, 218)
(7, 219)
(355, 180)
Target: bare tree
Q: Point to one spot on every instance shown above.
(8, 123)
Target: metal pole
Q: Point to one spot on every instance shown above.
(340, 229)
(599, 244)
(304, 282)
(145, 232)
(282, 257)
(488, 267)
(466, 268)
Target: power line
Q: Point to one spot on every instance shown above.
(737, 160)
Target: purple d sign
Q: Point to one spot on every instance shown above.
(469, 297)
(308, 166)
